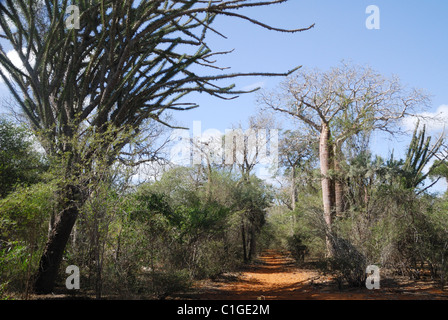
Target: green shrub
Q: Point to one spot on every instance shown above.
(297, 248)
(165, 283)
(15, 262)
(23, 225)
(20, 163)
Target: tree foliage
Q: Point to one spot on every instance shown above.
(20, 162)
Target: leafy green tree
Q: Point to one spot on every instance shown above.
(20, 163)
(297, 154)
(252, 197)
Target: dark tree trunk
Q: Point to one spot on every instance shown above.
(253, 243)
(54, 249)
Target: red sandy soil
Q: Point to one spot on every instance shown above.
(276, 276)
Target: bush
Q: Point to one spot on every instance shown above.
(297, 248)
(23, 217)
(348, 263)
(165, 283)
(15, 263)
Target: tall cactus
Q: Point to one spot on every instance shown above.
(419, 155)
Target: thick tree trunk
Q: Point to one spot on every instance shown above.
(339, 197)
(328, 194)
(52, 254)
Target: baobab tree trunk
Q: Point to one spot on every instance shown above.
(328, 194)
(54, 249)
(339, 197)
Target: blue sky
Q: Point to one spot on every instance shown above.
(412, 43)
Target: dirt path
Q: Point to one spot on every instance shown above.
(276, 277)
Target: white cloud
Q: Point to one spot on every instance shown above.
(434, 121)
(13, 56)
(254, 86)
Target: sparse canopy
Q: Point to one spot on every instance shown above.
(348, 98)
(337, 105)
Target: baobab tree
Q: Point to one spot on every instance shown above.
(89, 90)
(336, 105)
